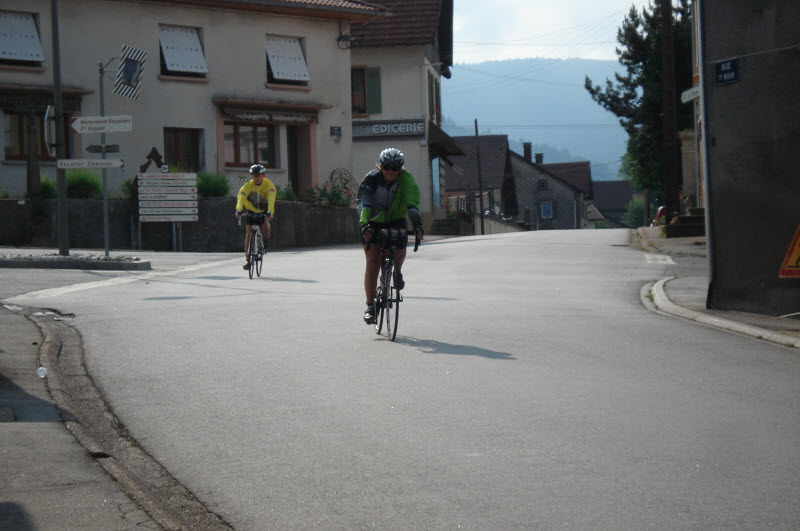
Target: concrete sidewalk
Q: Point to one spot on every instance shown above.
(685, 296)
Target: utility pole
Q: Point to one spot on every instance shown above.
(669, 106)
(62, 217)
(480, 172)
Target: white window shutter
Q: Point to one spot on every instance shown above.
(19, 39)
(286, 59)
(182, 50)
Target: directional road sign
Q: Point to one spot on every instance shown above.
(167, 197)
(110, 148)
(101, 124)
(89, 163)
(689, 95)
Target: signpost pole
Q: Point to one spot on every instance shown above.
(103, 156)
(62, 217)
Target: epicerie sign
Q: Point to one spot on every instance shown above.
(389, 128)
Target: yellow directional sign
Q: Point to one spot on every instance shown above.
(791, 264)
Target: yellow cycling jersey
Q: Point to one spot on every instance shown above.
(256, 198)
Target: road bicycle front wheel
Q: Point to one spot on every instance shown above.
(382, 298)
(389, 309)
(259, 256)
(251, 253)
(394, 305)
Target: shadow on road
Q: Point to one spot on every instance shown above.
(429, 346)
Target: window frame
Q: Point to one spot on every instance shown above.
(373, 103)
(176, 132)
(274, 145)
(542, 210)
(165, 72)
(274, 82)
(42, 153)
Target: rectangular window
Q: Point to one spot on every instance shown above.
(19, 40)
(181, 52)
(547, 210)
(182, 148)
(365, 90)
(246, 143)
(542, 185)
(434, 99)
(15, 133)
(286, 62)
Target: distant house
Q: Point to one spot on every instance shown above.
(611, 198)
(593, 216)
(545, 200)
(495, 178)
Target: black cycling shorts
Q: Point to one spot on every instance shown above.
(254, 218)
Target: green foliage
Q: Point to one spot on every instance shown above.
(285, 194)
(126, 188)
(335, 193)
(212, 185)
(84, 184)
(634, 216)
(48, 188)
(3, 191)
(636, 97)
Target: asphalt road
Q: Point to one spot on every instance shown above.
(528, 387)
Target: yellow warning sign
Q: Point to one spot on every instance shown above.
(791, 264)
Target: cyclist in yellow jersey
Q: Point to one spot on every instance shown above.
(256, 198)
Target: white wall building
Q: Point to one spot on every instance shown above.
(224, 84)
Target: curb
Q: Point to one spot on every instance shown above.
(663, 304)
(75, 263)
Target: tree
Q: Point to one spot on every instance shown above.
(636, 96)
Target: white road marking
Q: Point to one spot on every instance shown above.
(659, 259)
(54, 292)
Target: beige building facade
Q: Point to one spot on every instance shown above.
(222, 86)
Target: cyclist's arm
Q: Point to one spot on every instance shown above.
(241, 197)
(364, 197)
(271, 194)
(412, 200)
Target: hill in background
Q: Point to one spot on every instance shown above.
(541, 101)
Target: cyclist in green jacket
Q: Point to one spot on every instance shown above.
(386, 196)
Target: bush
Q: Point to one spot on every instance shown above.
(212, 185)
(83, 184)
(48, 186)
(126, 188)
(285, 194)
(634, 216)
(3, 191)
(335, 193)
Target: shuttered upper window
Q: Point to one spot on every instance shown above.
(286, 63)
(365, 90)
(181, 51)
(19, 39)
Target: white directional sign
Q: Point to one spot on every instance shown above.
(689, 95)
(167, 197)
(89, 163)
(101, 124)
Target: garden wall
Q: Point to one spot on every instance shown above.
(295, 224)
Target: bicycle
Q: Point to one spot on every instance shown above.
(255, 247)
(387, 295)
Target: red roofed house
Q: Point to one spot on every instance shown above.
(398, 59)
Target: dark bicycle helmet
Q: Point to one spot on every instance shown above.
(257, 169)
(392, 159)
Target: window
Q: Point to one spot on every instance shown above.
(365, 88)
(542, 185)
(181, 52)
(247, 143)
(19, 40)
(15, 132)
(434, 99)
(286, 63)
(546, 210)
(182, 148)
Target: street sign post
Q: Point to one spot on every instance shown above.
(101, 124)
(89, 163)
(167, 197)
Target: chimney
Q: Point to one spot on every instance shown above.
(526, 149)
(539, 158)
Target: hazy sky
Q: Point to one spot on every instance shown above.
(486, 30)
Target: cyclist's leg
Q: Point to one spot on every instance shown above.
(248, 230)
(371, 271)
(265, 232)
